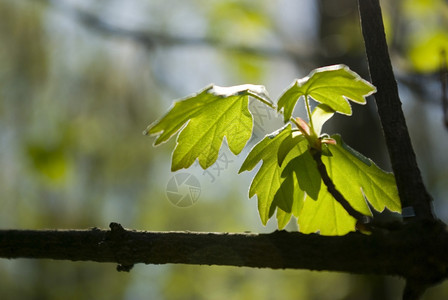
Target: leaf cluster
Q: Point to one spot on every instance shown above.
(288, 181)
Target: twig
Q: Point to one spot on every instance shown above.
(362, 219)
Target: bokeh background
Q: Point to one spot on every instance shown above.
(81, 80)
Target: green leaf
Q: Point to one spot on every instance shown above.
(292, 184)
(376, 185)
(307, 174)
(204, 119)
(288, 144)
(288, 191)
(265, 148)
(288, 201)
(358, 179)
(288, 100)
(331, 85)
(283, 218)
(268, 179)
(325, 216)
(321, 114)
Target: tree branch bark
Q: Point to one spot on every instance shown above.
(379, 253)
(410, 185)
(411, 189)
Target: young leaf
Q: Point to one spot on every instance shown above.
(358, 179)
(288, 144)
(203, 120)
(331, 85)
(321, 114)
(288, 201)
(285, 197)
(325, 215)
(307, 174)
(268, 179)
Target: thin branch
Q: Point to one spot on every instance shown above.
(362, 219)
(411, 189)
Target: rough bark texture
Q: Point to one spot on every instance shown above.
(380, 253)
(410, 185)
(411, 189)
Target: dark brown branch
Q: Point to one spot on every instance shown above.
(317, 156)
(411, 189)
(379, 253)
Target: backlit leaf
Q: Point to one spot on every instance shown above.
(288, 144)
(321, 114)
(204, 119)
(268, 179)
(288, 201)
(325, 216)
(307, 174)
(288, 181)
(331, 86)
(358, 179)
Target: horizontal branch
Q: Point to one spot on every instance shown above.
(379, 253)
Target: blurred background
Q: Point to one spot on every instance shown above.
(81, 80)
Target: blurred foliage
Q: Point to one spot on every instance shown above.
(426, 54)
(428, 20)
(420, 31)
(74, 101)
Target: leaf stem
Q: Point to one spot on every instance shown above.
(361, 218)
(299, 127)
(308, 110)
